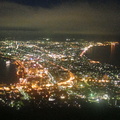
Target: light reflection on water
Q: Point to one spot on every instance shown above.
(105, 54)
(7, 72)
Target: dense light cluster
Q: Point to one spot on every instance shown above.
(58, 74)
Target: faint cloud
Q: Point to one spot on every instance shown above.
(77, 18)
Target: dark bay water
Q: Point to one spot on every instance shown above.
(105, 54)
(7, 72)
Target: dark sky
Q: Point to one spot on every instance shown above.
(93, 17)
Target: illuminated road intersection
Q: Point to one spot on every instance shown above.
(37, 84)
(57, 74)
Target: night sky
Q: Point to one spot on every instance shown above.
(84, 17)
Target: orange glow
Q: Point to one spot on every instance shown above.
(91, 61)
(7, 88)
(85, 49)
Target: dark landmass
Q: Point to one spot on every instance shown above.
(86, 113)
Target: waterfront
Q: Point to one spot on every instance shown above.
(7, 72)
(59, 59)
(105, 54)
(56, 76)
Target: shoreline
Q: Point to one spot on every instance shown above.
(97, 60)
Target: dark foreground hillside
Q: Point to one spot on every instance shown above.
(86, 113)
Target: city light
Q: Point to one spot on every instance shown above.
(50, 76)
